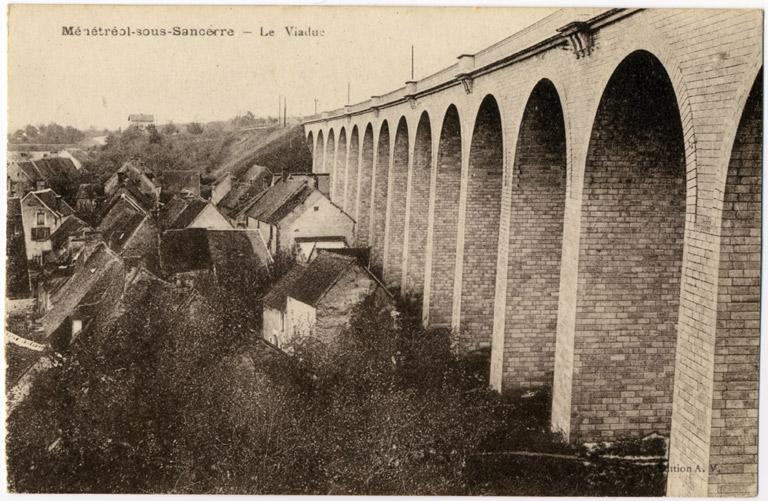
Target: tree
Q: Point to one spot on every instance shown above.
(195, 128)
(170, 129)
(154, 135)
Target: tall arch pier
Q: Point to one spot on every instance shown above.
(582, 201)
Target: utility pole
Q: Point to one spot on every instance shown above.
(285, 112)
(279, 108)
(315, 106)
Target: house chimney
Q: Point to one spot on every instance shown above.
(284, 176)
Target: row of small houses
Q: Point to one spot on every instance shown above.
(164, 228)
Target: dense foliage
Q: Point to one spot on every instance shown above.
(193, 404)
(52, 133)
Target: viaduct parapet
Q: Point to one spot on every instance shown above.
(583, 199)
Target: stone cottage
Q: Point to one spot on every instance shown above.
(318, 299)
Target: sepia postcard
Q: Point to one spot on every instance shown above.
(383, 250)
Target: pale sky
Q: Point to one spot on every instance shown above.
(100, 80)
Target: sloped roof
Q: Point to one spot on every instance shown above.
(277, 295)
(177, 181)
(70, 226)
(278, 201)
(53, 201)
(143, 200)
(122, 221)
(80, 155)
(181, 211)
(319, 276)
(141, 117)
(246, 196)
(100, 268)
(228, 252)
(56, 168)
(49, 169)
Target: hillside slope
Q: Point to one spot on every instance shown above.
(279, 149)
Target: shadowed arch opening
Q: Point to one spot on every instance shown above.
(393, 268)
(312, 149)
(365, 193)
(445, 226)
(481, 228)
(341, 168)
(630, 257)
(537, 208)
(320, 164)
(381, 183)
(350, 189)
(330, 159)
(419, 208)
(737, 344)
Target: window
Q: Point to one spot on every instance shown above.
(40, 218)
(317, 208)
(41, 233)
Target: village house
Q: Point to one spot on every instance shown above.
(141, 120)
(129, 229)
(179, 182)
(130, 174)
(191, 212)
(293, 208)
(201, 258)
(242, 189)
(24, 176)
(317, 299)
(96, 270)
(42, 212)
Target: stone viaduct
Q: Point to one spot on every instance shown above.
(583, 198)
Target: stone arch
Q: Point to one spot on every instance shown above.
(379, 209)
(393, 262)
(481, 227)
(445, 225)
(341, 168)
(330, 159)
(365, 188)
(350, 184)
(536, 212)
(418, 208)
(630, 257)
(320, 164)
(312, 149)
(734, 424)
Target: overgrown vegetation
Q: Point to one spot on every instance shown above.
(164, 402)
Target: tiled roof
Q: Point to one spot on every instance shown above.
(228, 252)
(95, 272)
(70, 226)
(277, 295)
(178, 181)
(319, 276)
(49, 169)
(122, 220)
(192, 209)
(278, 201)
(54, 202)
